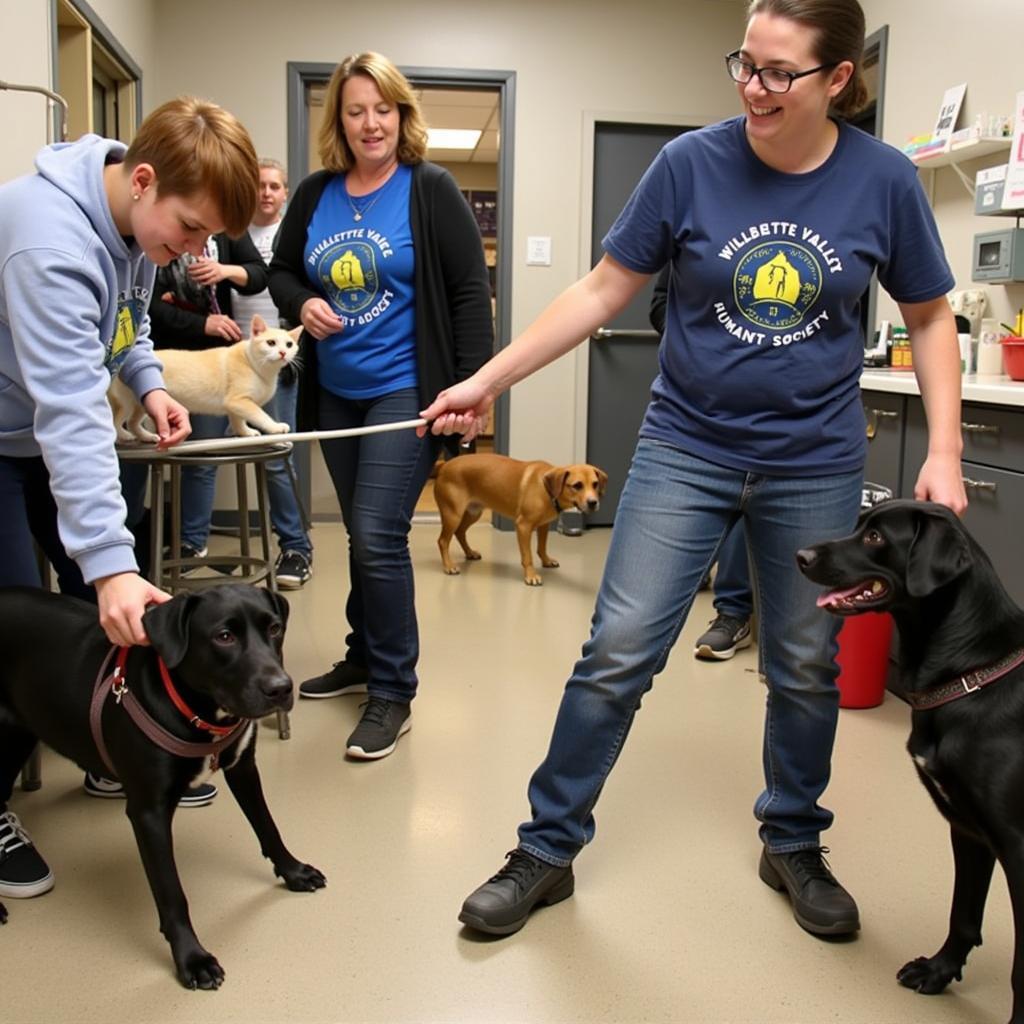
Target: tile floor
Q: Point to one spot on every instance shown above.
(669, 922)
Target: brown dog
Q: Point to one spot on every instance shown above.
(530, 493)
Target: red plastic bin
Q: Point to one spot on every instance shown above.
(863, 659)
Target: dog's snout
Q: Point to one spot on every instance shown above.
(276, 688)
(806, 557)
(593, 505)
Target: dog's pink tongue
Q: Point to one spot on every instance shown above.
(824, 600)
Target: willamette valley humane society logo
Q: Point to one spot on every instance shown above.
(778, 278)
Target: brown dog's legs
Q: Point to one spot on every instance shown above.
(524, 531)
(542, 547)
(471, 516)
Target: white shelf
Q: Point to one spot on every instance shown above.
(971, 149)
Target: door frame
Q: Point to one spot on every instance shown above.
(301, 74)
(591, 119)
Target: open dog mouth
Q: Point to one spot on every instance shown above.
(860, 598)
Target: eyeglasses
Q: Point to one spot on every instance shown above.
(773, 79)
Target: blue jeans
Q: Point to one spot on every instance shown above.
(378, 479)
(198, 483)
(733, 596)
(28, 513)
(673, 516)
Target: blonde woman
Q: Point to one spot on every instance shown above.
(380, 260)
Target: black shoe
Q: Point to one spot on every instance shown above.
(503, 903)
(293, 569)
(187, 552)
(820, 903)
(723, 639)
(344, 677)
(378, 730)
(111, 789)
(23, 873)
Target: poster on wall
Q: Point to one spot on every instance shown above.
(1013, 192)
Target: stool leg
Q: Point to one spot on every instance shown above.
(242, 486)
(156, 524)
(284, 729)
(175, 502)
(31, 773)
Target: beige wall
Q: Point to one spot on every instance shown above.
(933, 46)
(24, 60)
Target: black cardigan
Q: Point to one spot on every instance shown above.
(176, 327)
(454, 326)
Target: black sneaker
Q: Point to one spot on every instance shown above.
(111, 789)
(378, 730)
(503, 903)
(820, 904)
(293, 569)
(23, 873)
(723, 639)
(344, 677)
(187, 551)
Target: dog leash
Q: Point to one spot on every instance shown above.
(115, 683)
(969, 682)
(219, 444)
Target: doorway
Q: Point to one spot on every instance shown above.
(482, 101)
(623, 354)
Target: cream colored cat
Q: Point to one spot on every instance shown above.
(233, 381)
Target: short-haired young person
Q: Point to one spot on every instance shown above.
(80, 240)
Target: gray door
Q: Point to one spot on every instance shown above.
(624, 353)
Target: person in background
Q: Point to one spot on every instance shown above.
(729, 630)
(774, 222)
(80, 240)
(193, 309)
(295, 563)
(380, 259)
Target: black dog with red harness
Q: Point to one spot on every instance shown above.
(157, 718)
(962, 662)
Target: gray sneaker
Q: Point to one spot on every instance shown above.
(378, 730)
(723, 639)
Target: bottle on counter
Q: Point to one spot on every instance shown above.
(901, 355)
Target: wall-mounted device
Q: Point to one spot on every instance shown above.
(998, 256)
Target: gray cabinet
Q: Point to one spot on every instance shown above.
(993, 468)
(885, 415)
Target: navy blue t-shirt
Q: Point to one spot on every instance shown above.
(365, 269)
(760, 364)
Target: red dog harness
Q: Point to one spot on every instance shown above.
(115, 683)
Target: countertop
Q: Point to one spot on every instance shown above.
(993, 390)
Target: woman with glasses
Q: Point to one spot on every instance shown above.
(773, 223)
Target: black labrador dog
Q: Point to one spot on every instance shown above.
(961, 655)
(222, 647)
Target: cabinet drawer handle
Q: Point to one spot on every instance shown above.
(873, 416)
(980, 485)
(980, 428)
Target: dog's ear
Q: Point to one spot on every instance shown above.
(167, 627)
(602, 479)
(938, 554)
(554, 481)
(279, 604)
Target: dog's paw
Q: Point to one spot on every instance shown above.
(533, 581)
(200, 970)
(550, 564)
(473, 556)
(928, 975)
(453, 571)
(300, 877)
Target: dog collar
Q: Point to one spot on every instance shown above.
(116, 684)
(969, 682)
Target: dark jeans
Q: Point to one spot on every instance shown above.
(378, 479)
(28, 513)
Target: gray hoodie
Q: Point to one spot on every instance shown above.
(73, 301)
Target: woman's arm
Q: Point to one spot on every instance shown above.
(574, 315)
(936, 357)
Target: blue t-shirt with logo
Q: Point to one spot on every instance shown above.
(365, 269)
(760, 364)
